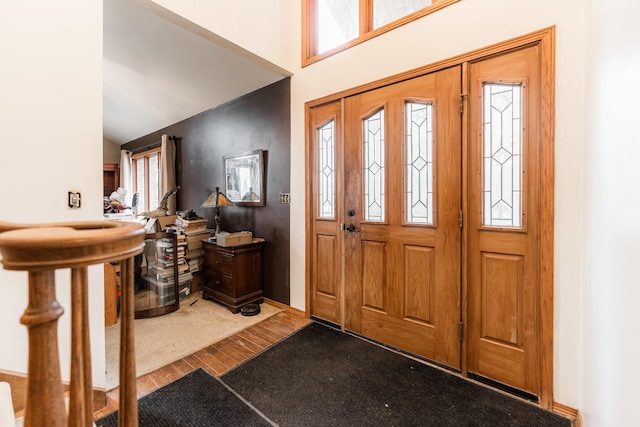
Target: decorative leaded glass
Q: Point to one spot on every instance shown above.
(502, 154)
(419, 162)
(373, 144)
(326, 170)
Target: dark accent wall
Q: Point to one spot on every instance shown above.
(259, 120)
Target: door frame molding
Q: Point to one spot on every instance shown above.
(545, 39)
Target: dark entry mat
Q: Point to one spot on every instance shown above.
(195, 400)
(320, 376)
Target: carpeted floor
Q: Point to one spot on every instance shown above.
(320, 376)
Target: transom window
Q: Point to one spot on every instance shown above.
(331, 26)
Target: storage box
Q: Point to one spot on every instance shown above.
(234, 239)
(166, 293)
(166, 300)
(184, 289)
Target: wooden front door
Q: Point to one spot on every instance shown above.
(427, 223)
(504, 221)
(402, 202)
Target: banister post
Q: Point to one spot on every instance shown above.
(128, 406)
(81, 389)
(45, 394)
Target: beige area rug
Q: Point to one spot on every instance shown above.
(165, 339)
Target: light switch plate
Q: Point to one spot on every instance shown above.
(74, 200)
(285, 198)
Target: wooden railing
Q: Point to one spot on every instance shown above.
(40, 250)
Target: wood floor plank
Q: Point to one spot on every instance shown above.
(267, 334)
(192, 361)
(246, 345)
(182, 366)
(235, 351)
(255, 339)
(145, 385)
(211, 363)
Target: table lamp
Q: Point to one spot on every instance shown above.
(217, 200)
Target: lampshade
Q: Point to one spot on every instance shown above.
(216, 200)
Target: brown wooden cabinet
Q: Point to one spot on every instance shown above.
(110, 178)
(233, 275)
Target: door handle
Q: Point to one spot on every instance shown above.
(351, 228)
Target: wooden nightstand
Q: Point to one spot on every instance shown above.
(233, 275)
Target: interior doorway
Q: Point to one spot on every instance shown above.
(430, 221)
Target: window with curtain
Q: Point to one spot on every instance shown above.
(146, 179)
(330, 26)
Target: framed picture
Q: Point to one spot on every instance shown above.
(244, 178)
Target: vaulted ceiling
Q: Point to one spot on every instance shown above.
(157, 73)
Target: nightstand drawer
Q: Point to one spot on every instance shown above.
(219, 262)
(220, 282)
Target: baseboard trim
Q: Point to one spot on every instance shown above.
(286, 308)
(18, 384)
(568, 412)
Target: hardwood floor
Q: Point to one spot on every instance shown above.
(218, 358)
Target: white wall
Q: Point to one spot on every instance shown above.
(51, 115)
(259, 26)
(110, 151)
(611, 350)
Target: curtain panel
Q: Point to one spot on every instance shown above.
(168, 171)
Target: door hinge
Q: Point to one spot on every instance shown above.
(462, 96)
(461, 219)
(461, 330)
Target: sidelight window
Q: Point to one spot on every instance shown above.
(326, 170)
